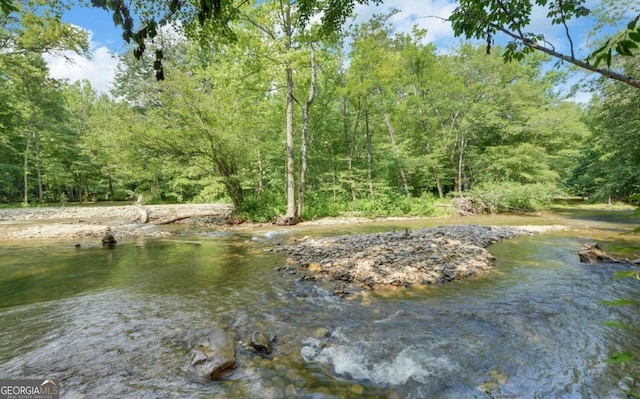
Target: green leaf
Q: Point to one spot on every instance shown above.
(622, 50)
(632, 394)
(597, 61)
(601, 49)
(635, 36)
(617, 324)
(117, 19)
(620, 357)
(633, 23)
(625, 274)
(628, 44)
(8, 7)
(619, 302)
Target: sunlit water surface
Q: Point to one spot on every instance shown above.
(121, 323)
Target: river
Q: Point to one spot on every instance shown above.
(121, 323)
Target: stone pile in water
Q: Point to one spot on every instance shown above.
(404, 258)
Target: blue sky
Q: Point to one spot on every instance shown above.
(100, 23)
(106, 38)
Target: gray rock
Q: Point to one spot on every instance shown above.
(108, 240)
(423, 256)
(214, 355)
(261, 342)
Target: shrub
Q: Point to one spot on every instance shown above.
(263, 208)
(513, 197)
(317, 206)
(395, 204)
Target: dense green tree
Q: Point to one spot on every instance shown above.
(33, 107)
(35, 26)
(372, 129)
(611, 161)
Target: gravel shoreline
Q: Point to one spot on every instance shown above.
(80, 222)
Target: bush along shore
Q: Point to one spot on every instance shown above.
(398, 259)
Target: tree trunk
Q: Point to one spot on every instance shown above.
(291, 216)
(436, 176)
(387, 121)
(229, 171)
(260, 173)
(349, 145)
(111, 194)
(36, 137)
(305, 132)
(462, 176)
(334, 181)
(234, 189)
(461, 179)
(26, 168)
(369, 155)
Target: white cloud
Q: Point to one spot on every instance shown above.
(430, 15)
(581, 97)
(99, 70)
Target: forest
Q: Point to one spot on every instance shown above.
(287, 119)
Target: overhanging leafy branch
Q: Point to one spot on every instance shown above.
(482, 19)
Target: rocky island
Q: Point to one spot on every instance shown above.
(401, 258)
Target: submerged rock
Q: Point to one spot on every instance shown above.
(400, 259)
(261, 342)
(108, 240)
(214, 355)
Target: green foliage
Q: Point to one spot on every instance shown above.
(626, 274)
(619, 302)
(610, 161)
(624, 44)
(397, 125)
(513, 197)
(619, 357)
(394, 204)
(7, 6)
(262, 208)
(522, 163)
(321, 205)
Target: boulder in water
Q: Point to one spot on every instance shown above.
(261, 342)
(214, 355)
(592, 253)
(108, 240)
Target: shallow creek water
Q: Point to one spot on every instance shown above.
(121, 323)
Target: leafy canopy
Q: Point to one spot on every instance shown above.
(203, 17)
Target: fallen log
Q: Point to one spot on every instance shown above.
(182, 217)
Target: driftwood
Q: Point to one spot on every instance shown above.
(144, 218)
(592, 253)
(287, 221)
(176, 219)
